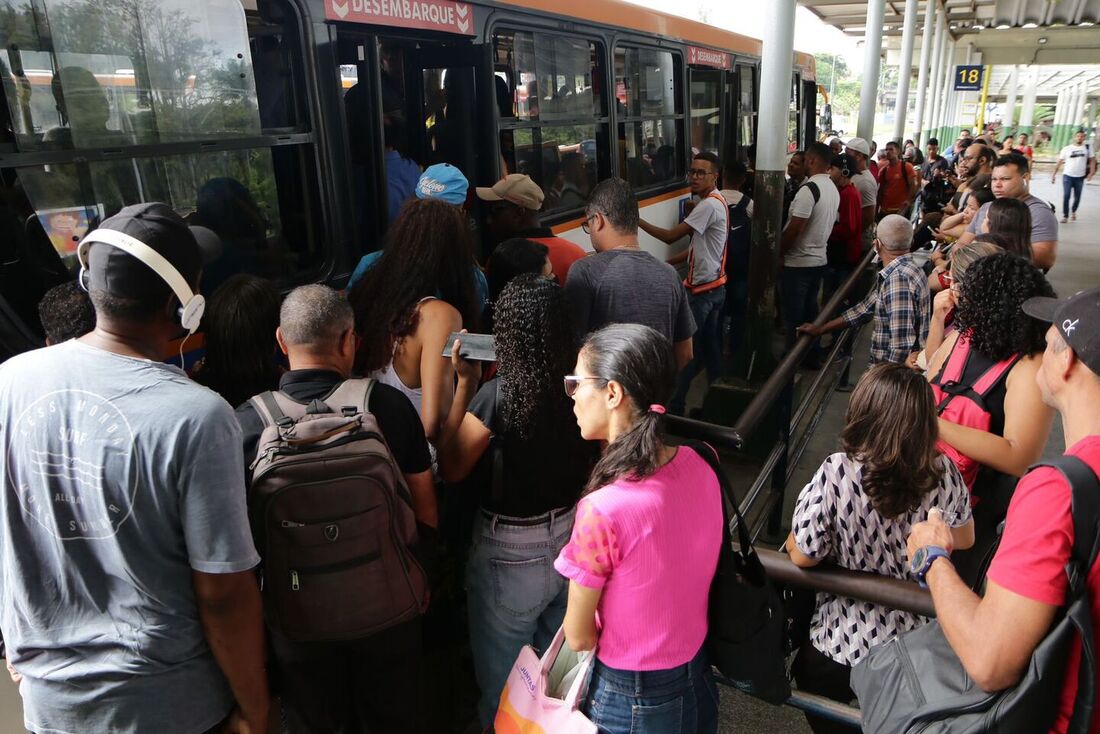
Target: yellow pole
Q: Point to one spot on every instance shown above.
(987, 70)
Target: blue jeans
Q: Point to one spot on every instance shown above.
(798, 293)
(1076, 184)
(680, 700)
(514, 595)
(706, 344)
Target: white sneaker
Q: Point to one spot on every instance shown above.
(1073, 217)
(1064, 220)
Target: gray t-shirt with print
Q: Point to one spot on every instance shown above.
(121, 477)
(709, 222)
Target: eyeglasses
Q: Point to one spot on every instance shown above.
(699, 173)
(572, 382)
(584, 224)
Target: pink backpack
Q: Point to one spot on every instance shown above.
(965, 404)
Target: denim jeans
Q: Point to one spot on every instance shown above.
(798, 293)
(515, 597)
(680, 700)
(706, 309)
(1076, 184)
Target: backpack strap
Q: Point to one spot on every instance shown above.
(815, 190)
(275, 407)
(351, 394)
(1085, 511)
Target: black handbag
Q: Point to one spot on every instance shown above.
(747, 629)
(916, 683)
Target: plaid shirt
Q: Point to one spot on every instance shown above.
(901, 308)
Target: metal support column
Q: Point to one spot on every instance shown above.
(922, 70)
(1082, 100)
(872, 63)
(1009, 120)
(1059, 117)
(935, 73)
(771, 164)
(905, 70)
(946, 90)
(1027, 112)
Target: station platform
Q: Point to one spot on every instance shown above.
(1077, 268)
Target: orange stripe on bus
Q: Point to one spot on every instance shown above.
(574, 223)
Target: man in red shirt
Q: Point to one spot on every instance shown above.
(845, 246)
(995, 635)
(897, 183)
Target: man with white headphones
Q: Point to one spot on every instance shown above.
(126, 558)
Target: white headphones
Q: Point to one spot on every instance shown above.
(192, 304)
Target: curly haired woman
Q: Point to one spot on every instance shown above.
(521, 442)
(993, 422)
(857, 513)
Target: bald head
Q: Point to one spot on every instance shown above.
(314, 317)
(895, 233)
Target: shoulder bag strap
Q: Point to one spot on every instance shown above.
(1085, 510)
(730, 511)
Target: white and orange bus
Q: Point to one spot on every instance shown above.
(263, 119)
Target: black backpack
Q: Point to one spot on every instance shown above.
(915, 683)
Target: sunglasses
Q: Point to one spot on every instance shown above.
(572, 382)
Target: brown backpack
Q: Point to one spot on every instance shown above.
(333, 519)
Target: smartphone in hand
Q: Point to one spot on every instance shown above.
(475, 347)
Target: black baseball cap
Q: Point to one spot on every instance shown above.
(845, 162)
(158, 226)
(1077, 319)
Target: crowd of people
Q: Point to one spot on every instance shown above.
(159, 573)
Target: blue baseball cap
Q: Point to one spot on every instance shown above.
(443, 181)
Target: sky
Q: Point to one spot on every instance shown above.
(743, 16)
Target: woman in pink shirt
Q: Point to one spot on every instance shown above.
(644, 546)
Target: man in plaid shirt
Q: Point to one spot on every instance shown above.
(900, 305)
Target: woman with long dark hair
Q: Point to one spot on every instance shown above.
(241, 351)
(511, 258)
(521, 444)
(420, 290)
(857, 513)
(644, 546)
(993, 355)
(1011, 219)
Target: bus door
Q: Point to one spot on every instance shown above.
(449, 92)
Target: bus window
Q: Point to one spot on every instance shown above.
(92, 79)
(746, 112)
(647, 84)
(706, 110)
(549, 132)
(794, 115)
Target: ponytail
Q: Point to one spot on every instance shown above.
(641, 360)
(635, 454)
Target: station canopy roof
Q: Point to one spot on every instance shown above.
(965, 16)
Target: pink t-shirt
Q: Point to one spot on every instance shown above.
(652, 546)
(1031, 560)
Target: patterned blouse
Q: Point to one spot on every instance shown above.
(835, 520)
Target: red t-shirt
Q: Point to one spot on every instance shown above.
(893, 186)
(848, 230)
(872, 166)
(1035, 548)
(563, 254)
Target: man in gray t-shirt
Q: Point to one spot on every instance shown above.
(622, 283)
(128, 598)
(1011, 179)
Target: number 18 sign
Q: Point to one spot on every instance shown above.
(968, 78)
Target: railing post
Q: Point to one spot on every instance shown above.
(784, 408)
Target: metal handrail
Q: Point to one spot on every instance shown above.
(875, 588)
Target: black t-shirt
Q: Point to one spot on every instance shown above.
(542, 472)
(396, 416)
(628, 287)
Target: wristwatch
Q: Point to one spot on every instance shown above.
(922, 561)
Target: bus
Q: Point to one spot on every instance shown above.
(266, 120)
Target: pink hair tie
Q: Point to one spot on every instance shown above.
(658, 409)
